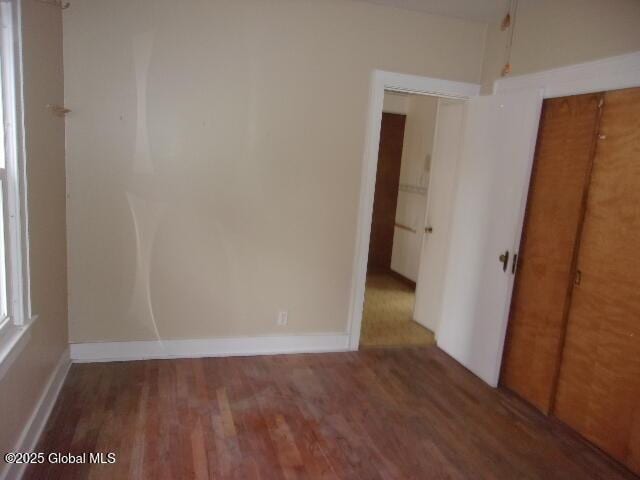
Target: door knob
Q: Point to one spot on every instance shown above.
(428, 229)
(504, 258)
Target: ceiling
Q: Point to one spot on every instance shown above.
(477, 10)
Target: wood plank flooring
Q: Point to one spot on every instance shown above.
(409, 413)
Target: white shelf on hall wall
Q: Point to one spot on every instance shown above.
(417, 189)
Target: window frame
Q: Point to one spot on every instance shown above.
(18, 301)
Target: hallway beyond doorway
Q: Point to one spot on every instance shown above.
(388, 314)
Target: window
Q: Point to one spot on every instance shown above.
(14, 304)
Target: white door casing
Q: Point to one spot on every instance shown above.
(381, 81)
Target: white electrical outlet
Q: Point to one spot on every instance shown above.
(283, 318)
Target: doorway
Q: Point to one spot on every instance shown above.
(382, 81)
(418, 149)
(489, 195)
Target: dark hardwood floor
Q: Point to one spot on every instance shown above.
(376, 414)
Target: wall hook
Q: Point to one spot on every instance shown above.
(56, 3)
(58, 110)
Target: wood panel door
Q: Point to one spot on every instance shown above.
(559, 181)
(599, 385)
(385, 199)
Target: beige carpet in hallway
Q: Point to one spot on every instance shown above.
(388, 310)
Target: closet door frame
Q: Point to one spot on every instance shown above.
(612, 73)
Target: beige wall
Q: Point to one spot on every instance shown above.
(214, 157)
(412, 203)
(24, 382)
(552, 33)
(394, 102)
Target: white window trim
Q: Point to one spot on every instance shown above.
(18, 282)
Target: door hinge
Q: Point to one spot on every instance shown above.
(504, 259)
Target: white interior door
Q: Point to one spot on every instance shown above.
(492, 182)
(435, 242)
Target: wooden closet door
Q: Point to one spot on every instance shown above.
(385, 199)
(564, 155)
(599, 385)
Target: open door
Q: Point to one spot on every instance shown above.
(488, 210)
(435, 238)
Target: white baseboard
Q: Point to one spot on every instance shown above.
(36, 423)
(212, 347)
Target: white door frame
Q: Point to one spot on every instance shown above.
(611, 73)
(398, 82)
